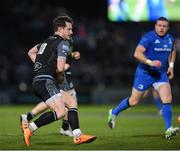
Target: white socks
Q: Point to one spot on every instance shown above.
(77, 132)
(32, 126)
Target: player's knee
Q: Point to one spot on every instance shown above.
(167, 99)
(133, 102)
(60, 113)
(73, 103)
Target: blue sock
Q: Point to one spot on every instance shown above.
(158, 103)
(167, 114)
(123, 105)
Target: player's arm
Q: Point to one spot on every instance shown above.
(60, 72)
(60, 69)
(172, 59)
(67, 66)
(32, 53)
(61, 64)
(62, 51)
(139, 55)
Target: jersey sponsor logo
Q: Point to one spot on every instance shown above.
(42, 48)
(157, 41)
(162, 49)
(37, 66)
(140, 86)
(65, 47)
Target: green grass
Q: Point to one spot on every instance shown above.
(136, 128)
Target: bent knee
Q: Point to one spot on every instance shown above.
(167, 99)
(133, 102)
(61, 113)
(72, 103)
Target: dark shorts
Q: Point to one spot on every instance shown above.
(45, 88)
(67, 84)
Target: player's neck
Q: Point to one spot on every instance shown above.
(59, 34)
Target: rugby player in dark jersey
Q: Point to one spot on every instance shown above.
(49, 64)
(66, 85)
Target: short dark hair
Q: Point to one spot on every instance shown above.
(60, 21)
(162, 19)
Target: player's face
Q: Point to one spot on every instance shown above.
(67, 31)
(161, 27)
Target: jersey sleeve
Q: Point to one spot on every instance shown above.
(145, 41)
(63, 49)
(38, 46)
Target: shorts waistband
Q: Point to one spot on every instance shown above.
(43, 77)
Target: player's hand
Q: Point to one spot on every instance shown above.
(170, 73)
(156, 63)
(76, 55)
(66, 66)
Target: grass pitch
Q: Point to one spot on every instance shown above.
(137, 128)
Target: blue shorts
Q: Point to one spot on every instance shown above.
(145, 79)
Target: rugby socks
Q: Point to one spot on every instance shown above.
(74, 121)
(73, 118)
(158, 103)
(30, 116)
(46, 118)
(32, 127)
(123, 105)
(167, 114)
(65, 125)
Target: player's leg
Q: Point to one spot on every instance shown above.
(157, 101)
(164, 90)
(139, 87)
(66, 128)
(79, 138)
(47, 90)
(58, 111)
(26, 118)
(146, 93)
(124, 104)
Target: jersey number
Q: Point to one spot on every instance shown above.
(42, 48)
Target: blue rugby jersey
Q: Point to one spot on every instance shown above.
(157, 48)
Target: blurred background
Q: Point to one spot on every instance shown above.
(106, 33)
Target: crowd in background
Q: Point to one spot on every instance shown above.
(106, 48)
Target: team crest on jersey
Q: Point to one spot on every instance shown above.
(140, 86)
(37, 66)
(65, 47)
(157, 41)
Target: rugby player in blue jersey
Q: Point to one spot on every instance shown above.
(156, 54)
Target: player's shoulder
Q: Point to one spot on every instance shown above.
(170, 36)
(150, 34)
(64, 45)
